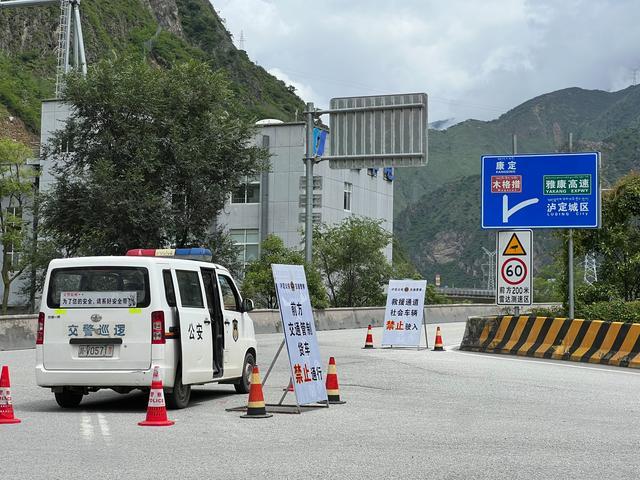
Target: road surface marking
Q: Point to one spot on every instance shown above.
(104, 428)
(86, 427)
(559, 363)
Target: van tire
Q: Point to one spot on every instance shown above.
(68, 399)
(179, 397)
(244, 383)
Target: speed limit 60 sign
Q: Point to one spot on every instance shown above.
(514, 268)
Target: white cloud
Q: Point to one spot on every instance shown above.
(304, 91)
(474, 59)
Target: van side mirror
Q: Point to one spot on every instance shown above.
(247, 305)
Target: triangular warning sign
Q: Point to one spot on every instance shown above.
(514, 247)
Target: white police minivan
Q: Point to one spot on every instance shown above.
(105, 322)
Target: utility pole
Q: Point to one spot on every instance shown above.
(570, 246)
(514, 148)
(309, 160)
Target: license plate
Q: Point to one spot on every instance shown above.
(95, 351)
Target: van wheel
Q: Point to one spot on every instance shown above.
(179, 397)
(243, 384)
(68, 399)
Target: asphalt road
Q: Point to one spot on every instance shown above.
(409, 414)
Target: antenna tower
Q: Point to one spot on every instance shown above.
(70, 49)
(590, 268)
(489, 269)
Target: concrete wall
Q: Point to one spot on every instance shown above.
(19, 331)
(268, 321)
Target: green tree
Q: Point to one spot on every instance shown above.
(617, 242)
(224, 251)
(546, 284)
(148, 159)
(350, 258)
(258, 281)
(16, 192)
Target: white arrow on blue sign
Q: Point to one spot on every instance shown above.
(541, 191)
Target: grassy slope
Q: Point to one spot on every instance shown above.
(27, 57)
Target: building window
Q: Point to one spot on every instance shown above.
(348, 189)
(248, 239)
(248, 192)
(316, 218)
(317, 201)
(317, 182)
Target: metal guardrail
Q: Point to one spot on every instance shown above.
(466, 292)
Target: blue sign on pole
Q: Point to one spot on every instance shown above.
(541, 191)
(319, 139)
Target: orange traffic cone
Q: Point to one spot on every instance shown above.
(368, 343)
(333, 389)
(437, 346)
(255, 406)
(156, 410)
(290, 387)
(6, 408)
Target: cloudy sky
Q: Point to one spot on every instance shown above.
(475, 59)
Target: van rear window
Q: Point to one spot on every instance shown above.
(99, 287)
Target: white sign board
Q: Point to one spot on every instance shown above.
(514, 268)
(300, 333)
(117, 299)
(404, 313)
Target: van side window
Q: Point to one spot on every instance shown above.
(230, 296)
(169, 291)
(190, 289)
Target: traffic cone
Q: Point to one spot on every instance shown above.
(255, 406)
(156, 410)
(290, 387)
(333, 390)
(6, 408)
(368, 343)
(437, 346)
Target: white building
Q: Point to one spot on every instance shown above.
(274, 202)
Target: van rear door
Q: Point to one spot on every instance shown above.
(98, 318)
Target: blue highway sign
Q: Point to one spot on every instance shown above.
(541, 191)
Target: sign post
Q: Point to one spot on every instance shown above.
(542, 191)
(404, 313)
(366, 132)
(299, 331)
(514, 268)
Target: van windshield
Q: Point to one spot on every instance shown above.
(99, 287)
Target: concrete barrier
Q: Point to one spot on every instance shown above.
(19, 331)
(268, 321)
(593, 341)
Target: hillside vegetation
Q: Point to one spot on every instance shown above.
(164, 31)
(445, 195)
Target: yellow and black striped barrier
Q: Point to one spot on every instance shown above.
(593, 341)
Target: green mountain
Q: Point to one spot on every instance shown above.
(541, 125)
(445, 195)
(164, 31)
